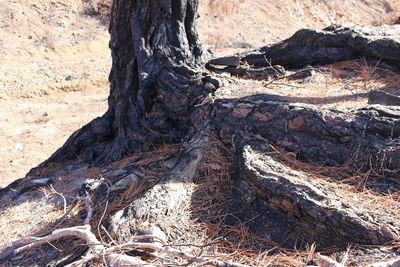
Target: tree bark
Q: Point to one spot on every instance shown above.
(155, 81)
(332, 44)
(328, 136)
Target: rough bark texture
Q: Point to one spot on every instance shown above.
(328, 136)
(383, 98)
(158, 96)
(332, 44)
(312, 212)
(155, 81)
(315, 212)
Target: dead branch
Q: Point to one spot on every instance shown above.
(82, 232)
(173, 252)
(63, 198)
(112, 255)
(89, 210)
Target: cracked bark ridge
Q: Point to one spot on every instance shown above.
(383, 98)
(276, 202)
(325, 135)
(290, 205)
(155, 82)
(316, 212)
(332, 44)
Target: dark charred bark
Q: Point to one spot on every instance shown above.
(155, 82)
(332, 44)
(295, 205)
(308, 210)
(383, 98)
(330, 137)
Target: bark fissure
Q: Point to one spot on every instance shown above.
(332, 44)
(156, 59)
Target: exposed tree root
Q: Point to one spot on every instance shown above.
(315, 47)
(329, 136)
(332, 44)
(252, 201)
(311, 207)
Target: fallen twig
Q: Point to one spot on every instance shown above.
(113, 255)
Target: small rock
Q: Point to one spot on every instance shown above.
(125, 182)
(19, 147)
(154, 230)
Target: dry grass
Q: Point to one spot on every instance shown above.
(340, 84)
(361, 75)
(43, 214)
(237, 242)
(354, 185)
(223, 7)
(100, 8)
(27, 218)
(394, 17)
(208, 208)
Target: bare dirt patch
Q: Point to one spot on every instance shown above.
(53, 78)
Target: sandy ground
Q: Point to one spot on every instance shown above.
(54, 61)
(53, 78)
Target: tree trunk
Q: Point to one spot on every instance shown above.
(155, 81)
